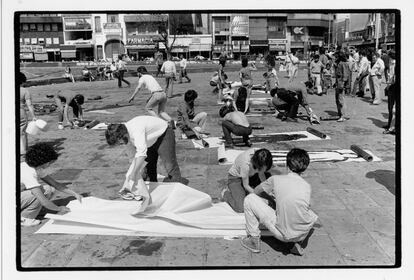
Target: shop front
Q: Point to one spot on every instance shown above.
(277, 46)
(140, 47)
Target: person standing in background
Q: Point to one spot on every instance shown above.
(121, 70)
(375, 78)
(25, 102)
(170, 72)
(183, 70)
(159, 60)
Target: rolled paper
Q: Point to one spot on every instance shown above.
(361, 153)
(316, 132)
(257, 127)
(205, 143)
(221, 152)
(91, 124)
(332, 118)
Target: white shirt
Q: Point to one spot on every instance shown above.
(183, 63)
(147, 81)
(292, 193)
(168, 67)
(364, 65)
(144, 131)
(113, 67)
(378, 68)
(28, 176)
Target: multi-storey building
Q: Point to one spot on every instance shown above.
(40, 37)
(78, 37)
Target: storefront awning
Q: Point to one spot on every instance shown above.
(200, 47)
(146, 18)
(84, 46)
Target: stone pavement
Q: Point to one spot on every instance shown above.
(355, 201)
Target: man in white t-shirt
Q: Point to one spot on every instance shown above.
(34, 195)
(150, 137)
(170, 72)
(158, 97)
(293, 218)
(183, 70)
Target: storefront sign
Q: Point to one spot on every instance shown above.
(277, 47)
(240, 26)
(40, 56)
(277, 41)
(112, 28)
(84, 23)
(26, 55)
(143, 39)
(79, 42)
(298, 30)
(31, 48)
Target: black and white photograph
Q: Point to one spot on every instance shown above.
(204, 139)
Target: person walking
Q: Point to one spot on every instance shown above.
(342, 74)
(183, 70)
(121, 67)
(316, 68)
(159, 60)
(170, 72)
(294, 66)
(393, 95)
(375, 78)
(363, 72)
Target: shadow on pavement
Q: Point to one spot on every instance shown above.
(384, 177)
(56, 143)
(284, 247)
(377, 122)
(331, 113)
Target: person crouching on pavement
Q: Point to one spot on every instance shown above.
(66, 99)
(293, 219)
(150, 137)
(234, 122)
(288, 100)
(35, 195)
(249, 169)
(187, 117)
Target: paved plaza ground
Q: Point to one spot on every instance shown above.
(355, 201)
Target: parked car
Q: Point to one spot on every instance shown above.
(280, 57)
(199, 57)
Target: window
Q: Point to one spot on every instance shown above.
(41, 41)
(27, 41)
(32, 27)
(48, 41)
(56, 41)
(21, 40)
(25, 27)
(98, 27)
(112, 18)
(54, 27)
(33, 41)
(47, 27)
(39, 27)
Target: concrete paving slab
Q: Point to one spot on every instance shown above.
(222, 252)
(355, 199)
(183, 252)
(339, 222)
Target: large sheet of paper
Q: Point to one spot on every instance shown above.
(177, 210)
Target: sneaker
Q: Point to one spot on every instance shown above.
(248, 143)
(297, 249)
(126, 195)
(26, 222)
(228, 145)
(251, 243)
(341, 119)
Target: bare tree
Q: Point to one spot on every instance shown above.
(178, 24)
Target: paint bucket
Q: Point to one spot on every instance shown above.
(41, 124)
(34, 127)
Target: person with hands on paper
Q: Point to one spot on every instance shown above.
(34, 195)
(151, 137)
(67, 98)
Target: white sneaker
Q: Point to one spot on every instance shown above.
(26, 222)
(60, 126)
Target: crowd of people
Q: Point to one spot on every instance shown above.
(265, 199)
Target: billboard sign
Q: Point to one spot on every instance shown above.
(79, 23)
(240, 25)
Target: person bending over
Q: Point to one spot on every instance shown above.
(158, 97)
(187, 117)
(64, 100)
(149, 137)
(293, 219)
(35, 195)
(249, 169)
(288, 100)
(234, 122)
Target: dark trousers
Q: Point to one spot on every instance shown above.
(229, 127)
(75, 109)
(121, 78)
(158, 70)
(292, 103)
(391, 102)
(164, 147)
(236, 192)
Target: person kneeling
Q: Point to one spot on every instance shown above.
(234, 122)
(149, 137)
(293, 219)
(187, 116)
(249, 169)
(34, 195)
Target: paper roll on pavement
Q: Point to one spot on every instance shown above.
(221, 152)
(91, 124)
(316, 132)
(361, 153)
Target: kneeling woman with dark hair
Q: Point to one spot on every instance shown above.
(67, 98)
(249, 169)
(151, 137)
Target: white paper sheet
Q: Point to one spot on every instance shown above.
(102, 112)
(309, 136)
(177, 210)
(100, 126)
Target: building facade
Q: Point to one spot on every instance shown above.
(40, 37)
(78, 37)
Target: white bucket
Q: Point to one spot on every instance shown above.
(34, 127)
(41, 124)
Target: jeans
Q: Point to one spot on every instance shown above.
(375, 88)
(164, 147)
(293, 70)
(340, 100)
(200, 119)
(292, 103)
(317, 82)
(121, 78)
(229, 127)
(360, 84)
(169, 81)
(183, 74)
(157, 99)
(29, 205)
(236, 192)
(391, 90)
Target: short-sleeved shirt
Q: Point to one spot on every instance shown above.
(29, 178)
(292, 194)
(185, 112)
(66, 96)
(316, 67)
(121, 65)
(168, 67)
(272, 78)
(183, 63)
(241, 165)
(144, 131)
(150, 83)
(246, 76)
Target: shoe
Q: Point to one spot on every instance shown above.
(248, 143)
(341, 119)
(376, 102)
(297, 249)
(126, 195)
(228, 145)
(189, 81)
(387, 131)
(251, 243)
(288, 119)
(60, 126)
(27, 222)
